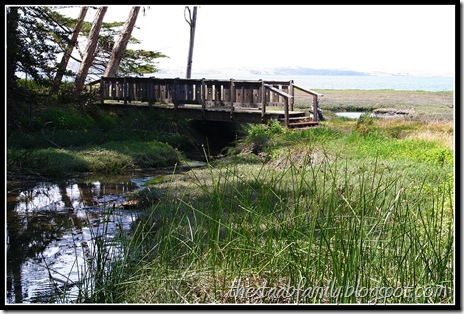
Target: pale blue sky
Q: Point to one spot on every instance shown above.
(417, 39)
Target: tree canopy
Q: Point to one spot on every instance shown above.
(37, 39)
(38, 35)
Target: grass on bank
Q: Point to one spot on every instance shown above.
(63, 141)
(315, 210)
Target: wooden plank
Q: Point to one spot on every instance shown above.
(209, 92)
(157, 92)
(255, 95)
(218, 93)
(232, 93)
(203, 97)
(226, 94)
(238, 94)
(150, 92)
(315, 108)
(263, 99)
(291, 91)
(198, 94)
(190, 92)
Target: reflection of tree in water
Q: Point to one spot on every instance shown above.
(30, 231)
(28, 236)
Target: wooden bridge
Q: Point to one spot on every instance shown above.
(251, 101)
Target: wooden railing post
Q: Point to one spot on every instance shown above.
(151, 91)
(286, 115)
(263, 101)
(174, 94)
(315, 108)
(203, 97)
(291, 92)
(102, 90)
(124, 90)
(232, 97)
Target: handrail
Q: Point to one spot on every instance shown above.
(286, 96)
(316, 107)
(308, 91)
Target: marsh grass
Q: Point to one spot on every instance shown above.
(324, 222)
(424, 105)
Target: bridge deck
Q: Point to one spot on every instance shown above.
(238, 114)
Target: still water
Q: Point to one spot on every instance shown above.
(357, 115)
(51, 232)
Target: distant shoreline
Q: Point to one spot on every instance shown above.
(338, 82)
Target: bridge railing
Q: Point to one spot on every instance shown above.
(209, 93)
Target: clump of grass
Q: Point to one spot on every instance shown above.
(106, 161)
(52, 162)
(112, 157)
(146, 154)
(96, 261)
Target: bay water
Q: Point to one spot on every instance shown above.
(343, 82)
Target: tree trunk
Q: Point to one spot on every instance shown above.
(120, 45)
(90, 49)
(69, 49)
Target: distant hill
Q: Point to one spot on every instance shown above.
(309, 71)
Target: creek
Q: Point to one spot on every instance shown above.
(52, 228)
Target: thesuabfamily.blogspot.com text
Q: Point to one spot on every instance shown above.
(241, 290)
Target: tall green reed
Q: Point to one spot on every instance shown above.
(330, 223)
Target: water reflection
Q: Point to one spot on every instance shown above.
(51, 228)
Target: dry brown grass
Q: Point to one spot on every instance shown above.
(442, 132)
(387, 98)
(436, 131)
